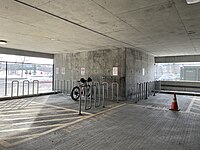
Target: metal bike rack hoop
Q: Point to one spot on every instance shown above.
(36, 81)
(97, 103)
(28, 83)
(115, 83)
(15, 81)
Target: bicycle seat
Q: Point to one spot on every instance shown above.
(83, 80)
(89, 79)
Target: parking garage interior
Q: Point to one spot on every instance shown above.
(142, 56)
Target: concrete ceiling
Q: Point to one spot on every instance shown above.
(159, 27)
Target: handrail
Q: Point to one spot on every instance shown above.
(15, 81)
(35, 81)
(115, 83)
(28, 83)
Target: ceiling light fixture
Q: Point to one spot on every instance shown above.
(3, 42)
(192, 1)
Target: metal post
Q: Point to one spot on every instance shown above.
(24, 86)
(154, 86)
(115, 83)
(142, 91)
(15, 81)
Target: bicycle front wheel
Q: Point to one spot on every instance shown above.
(75, 94)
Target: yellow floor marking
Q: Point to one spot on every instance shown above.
(29, 110)
(4, 143)
(39, 112)
(35, 117)
(28, 107)
(195, 104)
(191, 103)
(60, 107)
(30, 128)
(42, 121)
(196, 108)
(18, 137)
(60, 126)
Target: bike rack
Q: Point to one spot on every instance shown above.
(97, 103)
(146, 90)
(106, 83)
(68, 86)
(115, 83)
(74, 83)
(103, 97)
(87, 107)
(28, 83)
(35, 81)
(137, 91)
(12, 85)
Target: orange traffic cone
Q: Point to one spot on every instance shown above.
(174, 106)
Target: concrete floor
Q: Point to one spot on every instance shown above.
(51, 122)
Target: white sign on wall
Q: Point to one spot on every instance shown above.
(82, 71)
(63, 70)
(115, 71)
(57, 70)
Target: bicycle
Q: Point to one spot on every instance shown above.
(82, 89)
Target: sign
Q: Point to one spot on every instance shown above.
(82, 71)
(57, 70)
(115, 71)
(63, 70)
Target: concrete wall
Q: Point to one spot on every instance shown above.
(135, 62)
(99, 66)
